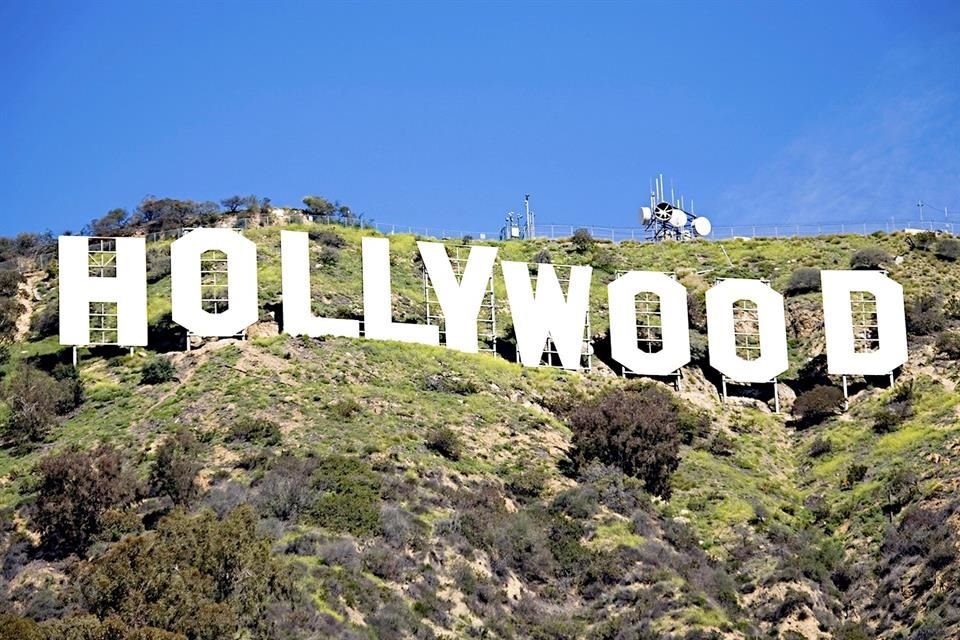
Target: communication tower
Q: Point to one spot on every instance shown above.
(669, 219)
(519, 226)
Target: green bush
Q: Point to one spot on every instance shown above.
(255, 430)
(157, 370)
(855, 473)
(820, 446)
(327, 238)
(637, 430)
(948, 344)
(947, 249)
(817, 404)
(32, 399)
(10, 311)
(925, 315)
(446, 442)
(175, 467)
(198, 576)
(543, 257)
(348, 496)
(75, 489)
(870, 258)
(582, 241)
(803, 280)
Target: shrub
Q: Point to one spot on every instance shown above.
(947, 249)
(803, 280)
(820, 446)
(285, 491)
(256, 430)
(71, 387)
(446, 442)
(605, 260)
(15, 628)
(543, 257)
(10, 280)
(925, 315)
(329, 255)
(948, 344)
(526, 484)
(158, 264)
(855, 473)
(157, 370)
(446, 383)
(582, 241)
(637, 430)
(870, 258)
(198, 576)
(75, 489)
(32, 399)
(10, 311)
(819, 403)
(345, 408)
(175, 467)
(922, 241)
(349, 496)
(327, 238)
(46, 322)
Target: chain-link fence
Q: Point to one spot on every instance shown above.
(558, 231)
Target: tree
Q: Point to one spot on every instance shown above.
(32, 397)
(819, 403)
(318, 205)
(233, 203)
(637, 430)
(110, 224)
(175, 468)
(74, 490)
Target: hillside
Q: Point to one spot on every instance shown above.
(284, 487)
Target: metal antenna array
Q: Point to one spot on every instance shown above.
(520, 226)
(668, 219)
(486, 319)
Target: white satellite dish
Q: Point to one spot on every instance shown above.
(678, 218)
(702, 226)
(646, 215)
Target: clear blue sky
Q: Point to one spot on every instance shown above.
(447, 113)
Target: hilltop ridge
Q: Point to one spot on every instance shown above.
(412, 491)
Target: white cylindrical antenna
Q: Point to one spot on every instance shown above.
(660, 190)
(672, 200)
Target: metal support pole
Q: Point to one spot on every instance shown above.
(75, 357)
(724, 385)
(776, 396)
(846, 395)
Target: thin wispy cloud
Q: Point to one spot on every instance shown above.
(870, 161)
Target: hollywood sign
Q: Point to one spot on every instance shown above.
(538, 313)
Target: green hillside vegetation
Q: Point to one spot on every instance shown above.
(283, 487)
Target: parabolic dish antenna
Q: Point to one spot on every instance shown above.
(702, 226)
(646, 215)
(678, 218)
(663, 212)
